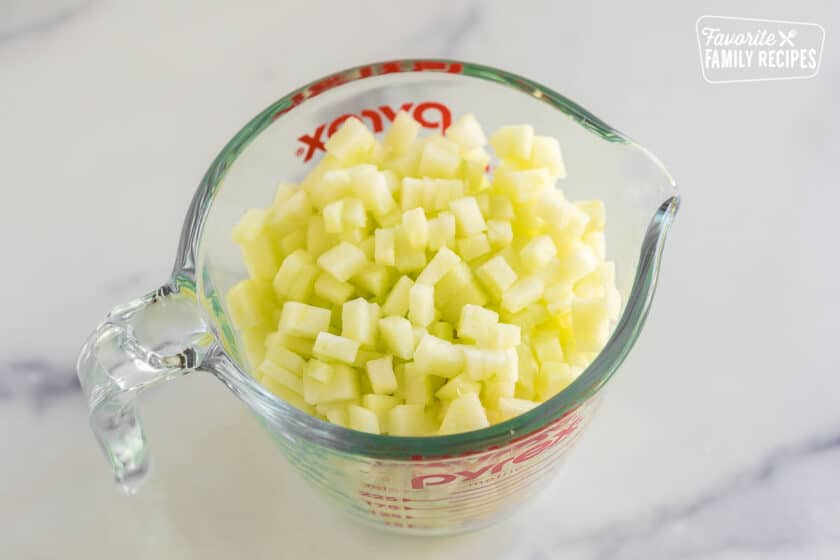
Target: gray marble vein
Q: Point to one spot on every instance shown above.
(37, 381)
(14, 29)
(447, 34)
(723, 517)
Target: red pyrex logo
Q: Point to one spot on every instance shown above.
(493, 465)
(429, 114)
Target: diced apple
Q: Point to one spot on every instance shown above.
(591, 322)
(440, 159)
(406, 257)
(250, 303)
(301, 320)
(467, 133)
(442, 231)
(353, 213)
(343, 385)
(457, 386)
(545, 152)
(357, 323)
(343, 261)
(421, 304)
(397, 335)
(384, 246)
(478, 324)
(442, 329)
(398, 298)
(473, 247)
(296, 277)
(381, 375)
(318, 370)
(438, 267)
(513, 142)
(402, 133)
(416, 228)
(510, 407)
(352, 142)
(436, 356)
(552, 378)
(468, 218)
(464, 415)
(499, 233)
(285, 358)
(418, 386)
(282, 376)
(522, 293)
(362, 419)
(538, 252)
(374, 279)
(334, 348)
(409, 420)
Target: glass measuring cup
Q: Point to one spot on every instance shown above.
(429, 485)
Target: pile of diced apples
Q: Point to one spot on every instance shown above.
(403, 289)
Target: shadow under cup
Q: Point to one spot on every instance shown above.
(432, 485)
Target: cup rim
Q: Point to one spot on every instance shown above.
(272, 408)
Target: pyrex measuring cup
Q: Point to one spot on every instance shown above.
(429, 485)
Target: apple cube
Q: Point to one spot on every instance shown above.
(398, 298)
(442, 231)
(464, 414)
(418, 386)
(436, 356)
(374, 279)
(357, 322)
(513, 142)
(499, 233)
(545, 152)
(591, 322)
(381, 375)
(286, 394)
(282, 376)
(406, 257)
(250, 303)
(409, 420)
(384, 246)
(343, 385)
(468, 218)
(473, 247)
(416, 228)
(443, 261)
(343, 261)
(552, 378)
(510, 407)
(596, 212)
(457, 386)
(478, 324)
(398, 337)
(467, 133)
(362, 419)
(421, 304)
(440, 158)
(334, 348)
(301, 320)
(317, 238)
(296, 277)
(402, 133)
(442, 329)
(537, 253)
(522, 293)
(352, 142)
(318, 370)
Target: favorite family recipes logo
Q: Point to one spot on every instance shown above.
(736, 49)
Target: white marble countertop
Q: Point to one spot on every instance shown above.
(720, 438)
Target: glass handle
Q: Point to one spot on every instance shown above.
(156, 338)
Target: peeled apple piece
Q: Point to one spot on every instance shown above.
(406, 288)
